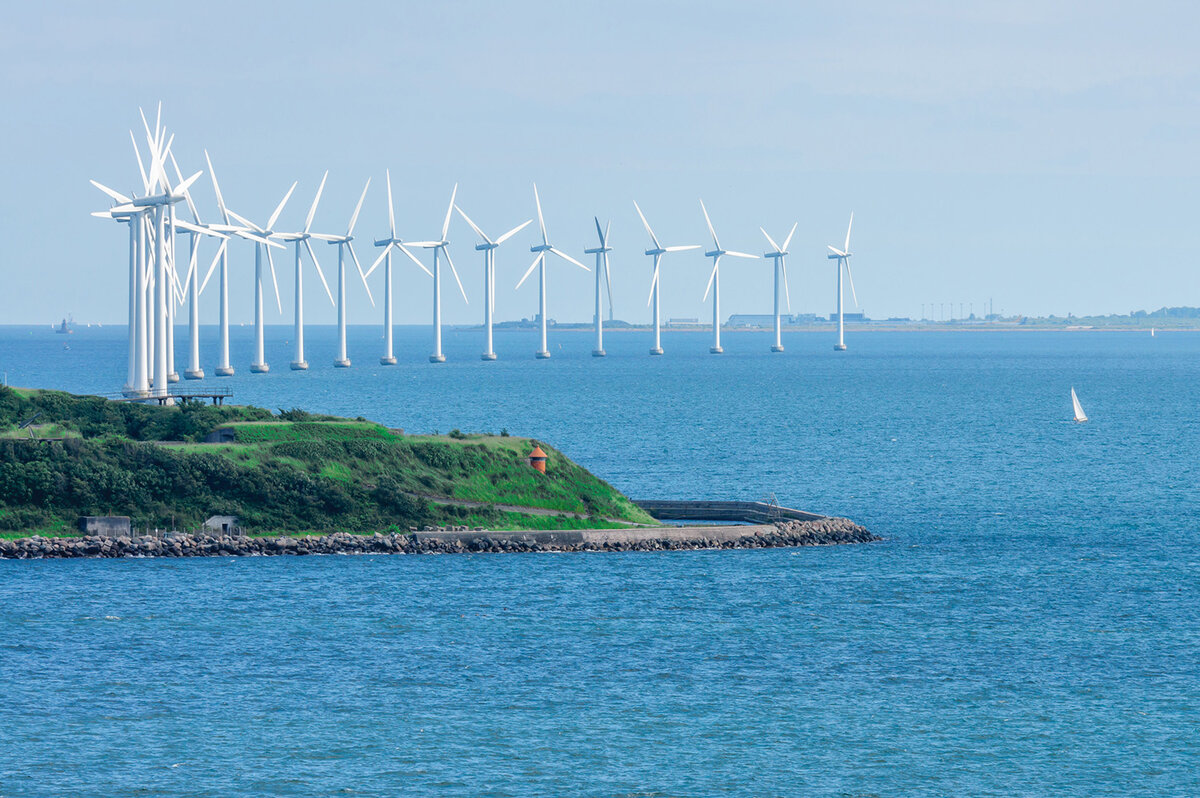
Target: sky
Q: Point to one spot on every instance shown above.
(1040, 155)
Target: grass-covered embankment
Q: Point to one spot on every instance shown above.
(290, 472)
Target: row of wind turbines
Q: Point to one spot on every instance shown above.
(160, 284)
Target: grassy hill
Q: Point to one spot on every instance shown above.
(289, 472)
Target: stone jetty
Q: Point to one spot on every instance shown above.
(826, 531)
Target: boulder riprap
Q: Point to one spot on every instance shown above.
(827, 531)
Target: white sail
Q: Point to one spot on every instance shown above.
(1080, 416)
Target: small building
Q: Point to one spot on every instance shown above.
(537, 459)
(109, 526)
(223, 525)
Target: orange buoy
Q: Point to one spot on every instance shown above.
(537, 459)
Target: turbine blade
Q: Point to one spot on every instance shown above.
(141, 169)
(274, 281)
(414, 259)
(851, 278)
(786, 293)
(357, 209)
(607, 230)
(357, 265)
(514, 231)
(681, 248)
(846, 246)
(216, 188)
(279, 208)
(712, 276)
(647, 226)
(186, 195)
(391, 212)
(320, 273)
(788, 240)
(454, 271)
(733, 254)
(118, 196)
(183, 187)
(774, 246)
(653, 284)
(599, 230)
(379, 260)
(247, 222)
(212, 266)
(541, 221)
(532, 266)
(449, 210)
(707, 221)
(835, 250)
(565, 256)
(312, 211)
(608, 280)
(474, 226)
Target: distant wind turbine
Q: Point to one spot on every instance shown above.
(539, 263)
(657, 252)
(601, 253)
(714, 279)
(385, 257)
(843, 257)
(778, 254)
(343, 243)
(488, 247)
(260, 366)
(439, 246)
(299, 363)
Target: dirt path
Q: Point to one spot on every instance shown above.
(516, 508)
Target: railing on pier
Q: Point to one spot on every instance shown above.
(746, 512)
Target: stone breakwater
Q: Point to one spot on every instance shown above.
(827, 531)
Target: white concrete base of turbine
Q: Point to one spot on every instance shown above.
(299, 365)
(223, 371)
(342, 364)
(656, 350)
(173, 377)
(259, 368)
(777, 348)
(839, 347)
(542, 355)
(599, 353)
(488, 356)
(387, 361)
(197, 374)
(715, 350)
(437, 358)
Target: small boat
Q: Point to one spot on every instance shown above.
(1151, 332)
(66, 328)
(1080, 416)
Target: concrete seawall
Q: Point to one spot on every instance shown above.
(827, 531)
(730, 511)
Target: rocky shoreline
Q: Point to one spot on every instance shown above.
(827, 531)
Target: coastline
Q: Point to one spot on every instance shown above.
(823, 532)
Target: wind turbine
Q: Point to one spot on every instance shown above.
(843, 257)
(657, 252)
(601, 253)
(778, 255)
(303, 237)
(224, 367)
(260, 366)
(440, 246)
(488, 247)
(385, 257)
(539, 263)
(343, 243)
(714, 279)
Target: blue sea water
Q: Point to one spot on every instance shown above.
(1030, 625)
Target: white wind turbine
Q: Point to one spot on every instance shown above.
(843, 257)
(539, 263)
(657, 252)
(778, 255)
(260, 365)
(488, 247)
(440, 246)
(224, 367)
(299, 363)
(714, 279)
(385, 257)
(601, 253)
(344, 243)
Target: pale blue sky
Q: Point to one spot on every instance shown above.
(1044, 154)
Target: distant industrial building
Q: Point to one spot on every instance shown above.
(860, 316)
(767, 320)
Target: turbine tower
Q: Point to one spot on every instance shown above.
(343, 243)
(488, 247)
(843, 257)
(601, 253)
(714, 279)
(304, 237)
(778, 255)
(260, 366)
(539, 263)
(657, 252)
(440, 246)
(385, 257)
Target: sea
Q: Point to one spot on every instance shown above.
(1029, 626)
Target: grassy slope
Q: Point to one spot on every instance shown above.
(290, 474)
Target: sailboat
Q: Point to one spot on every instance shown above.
(1151, 332)
(1080, 416)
